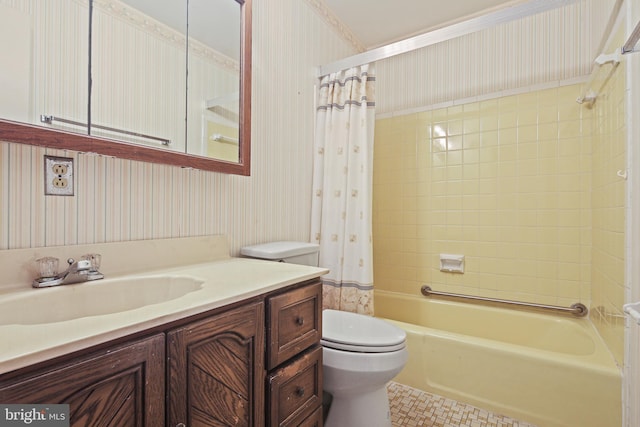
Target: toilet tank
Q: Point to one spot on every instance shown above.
(292, 252)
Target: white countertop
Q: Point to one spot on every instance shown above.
(224, 281)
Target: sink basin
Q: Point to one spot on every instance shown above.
(95, 298)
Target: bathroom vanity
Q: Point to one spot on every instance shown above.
(230, 352)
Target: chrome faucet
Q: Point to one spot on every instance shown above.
(78, 271)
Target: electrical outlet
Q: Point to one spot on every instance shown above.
(58, 176)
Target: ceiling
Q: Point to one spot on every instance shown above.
(379, 22)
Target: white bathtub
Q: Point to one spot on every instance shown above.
(545, 369)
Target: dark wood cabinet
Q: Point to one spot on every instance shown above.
(294, 329)
(295, 389)
(314, 420)
(216, 370)
(205, 371)
(123, 386)
(294, 323)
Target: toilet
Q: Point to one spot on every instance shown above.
(361, 354)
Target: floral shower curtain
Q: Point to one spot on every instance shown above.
(343, 187)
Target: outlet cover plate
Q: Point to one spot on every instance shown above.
(58, 176)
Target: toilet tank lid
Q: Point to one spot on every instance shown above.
(279, 250)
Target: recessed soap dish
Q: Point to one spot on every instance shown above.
(452, 263)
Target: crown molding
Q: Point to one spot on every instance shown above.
(332, 19)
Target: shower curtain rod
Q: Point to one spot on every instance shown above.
(590, 95)
(629, 46)
(472, 25)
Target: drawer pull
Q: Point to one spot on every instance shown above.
(299, 320)
(300, 391)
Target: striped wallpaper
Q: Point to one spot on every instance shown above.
(552, 46)
(119, 200)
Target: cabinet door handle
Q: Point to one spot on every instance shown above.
(299, 320)
(181, 425)
(300, 391)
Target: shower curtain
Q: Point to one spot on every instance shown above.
(343, 187)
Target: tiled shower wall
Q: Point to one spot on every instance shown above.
(481, 150)
(121, 200)
(505, 182)
(522, 181)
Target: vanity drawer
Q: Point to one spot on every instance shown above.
(295, 391)
(294, 323)
(314, 420)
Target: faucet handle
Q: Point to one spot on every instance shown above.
(94, 259)
(48, 266)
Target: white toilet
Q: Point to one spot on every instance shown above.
(360, 353)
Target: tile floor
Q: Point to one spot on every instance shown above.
(411, 408)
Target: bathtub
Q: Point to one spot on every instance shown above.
(544, 369)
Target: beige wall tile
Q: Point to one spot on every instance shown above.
(514, 208)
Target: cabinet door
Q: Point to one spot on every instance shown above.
(216, 370)
(118, 387)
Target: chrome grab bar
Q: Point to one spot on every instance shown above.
(577, 309)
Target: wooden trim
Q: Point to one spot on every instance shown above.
(245, 87)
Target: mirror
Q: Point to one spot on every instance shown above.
(213, 103)
(133, 61)
(138, 72)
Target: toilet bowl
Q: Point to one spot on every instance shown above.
(360, 355)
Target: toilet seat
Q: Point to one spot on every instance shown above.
(347, 331)
(361, 348)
